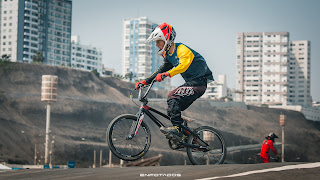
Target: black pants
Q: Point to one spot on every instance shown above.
(182, 97)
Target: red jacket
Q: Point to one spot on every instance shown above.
(266, 146)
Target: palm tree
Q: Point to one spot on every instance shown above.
(38, 57)
(130, 76)
(118, 76)
(5, 57)
(96, 72)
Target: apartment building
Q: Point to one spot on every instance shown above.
(29, 26)
(138, 56)
(85, 57)
(107, 72)
(299, 76)
(266, 69)
(216, 89)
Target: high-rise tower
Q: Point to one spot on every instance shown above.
(139, 57)
(29, 26)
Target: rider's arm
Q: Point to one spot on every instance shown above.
(272, 147)
(185, 56)
(166, 66)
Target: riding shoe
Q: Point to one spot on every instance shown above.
(173, 133)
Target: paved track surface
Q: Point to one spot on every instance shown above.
(272, 171)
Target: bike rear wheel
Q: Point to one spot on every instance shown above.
(120, 145)
(214, 154)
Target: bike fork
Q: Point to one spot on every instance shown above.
(136, 125)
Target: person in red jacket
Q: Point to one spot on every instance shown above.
(266, 146)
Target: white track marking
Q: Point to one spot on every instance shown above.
(283, 168)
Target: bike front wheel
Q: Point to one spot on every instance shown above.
(123, 147)
(215, 153)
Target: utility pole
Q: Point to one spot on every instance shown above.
(49, 89)
(100, 157)
(282, 124)
(51, 153)
(110, 158)
(35, 154)
(121, 163)
(47, 133)
(94, 159)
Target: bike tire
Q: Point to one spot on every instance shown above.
(217, 152)
(128, 152)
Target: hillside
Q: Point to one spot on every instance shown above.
(86, 104)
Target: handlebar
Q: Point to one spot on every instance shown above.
(147, 92)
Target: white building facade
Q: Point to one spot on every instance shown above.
(85, 57)
(299, 73)
(29, 26)
(138, 56)
(265, 72)
(217, 89)
(107, 72)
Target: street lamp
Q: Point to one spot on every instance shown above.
(36, 153)
(36, 149)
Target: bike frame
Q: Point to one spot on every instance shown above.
(145, 109)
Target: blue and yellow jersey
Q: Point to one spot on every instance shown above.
(185, 61)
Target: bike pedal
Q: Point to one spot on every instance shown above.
(173, 137)
(162, 129)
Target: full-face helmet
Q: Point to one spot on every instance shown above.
(166, 33)
(272, 136)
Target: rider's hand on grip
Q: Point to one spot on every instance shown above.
(140, 84)
(160, 77)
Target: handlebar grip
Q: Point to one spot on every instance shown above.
(139, 86)
(163, 76)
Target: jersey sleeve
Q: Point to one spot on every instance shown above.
(185, 56)
(272, 147)
(163, 68)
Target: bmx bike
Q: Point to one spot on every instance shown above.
(129, 137)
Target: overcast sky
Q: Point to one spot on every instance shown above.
(207, 26)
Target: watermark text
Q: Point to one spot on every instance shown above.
(160, 175)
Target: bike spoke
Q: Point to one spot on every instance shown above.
(213, 154)
(121, 131)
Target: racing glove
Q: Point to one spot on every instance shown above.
(161, 76)
(138, 84)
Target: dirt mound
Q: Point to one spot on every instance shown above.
(86, 105)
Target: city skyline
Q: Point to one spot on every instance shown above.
(211, 29)
(273, 69)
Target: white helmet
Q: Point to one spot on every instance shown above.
(164, 32)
